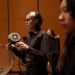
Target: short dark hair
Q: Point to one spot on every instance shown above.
(37, 16)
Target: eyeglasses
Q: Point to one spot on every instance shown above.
(29, 19)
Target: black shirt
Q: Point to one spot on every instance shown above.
(38, 50)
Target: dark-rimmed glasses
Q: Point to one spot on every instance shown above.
(29, 19)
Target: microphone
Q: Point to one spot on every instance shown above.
(13, 38)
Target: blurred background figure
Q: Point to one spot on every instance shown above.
(55, 47)
(51, 33)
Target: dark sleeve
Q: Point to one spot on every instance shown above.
(53, 45)
(18, 53)
(58, 42)
(41, 55)
(54, 51)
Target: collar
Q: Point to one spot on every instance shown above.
(34, 32)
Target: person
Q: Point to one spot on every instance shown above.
(55, 43)
(51, 33)
(67, 21)
(35, 49)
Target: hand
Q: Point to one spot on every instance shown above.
(21, 46)
(9, 47)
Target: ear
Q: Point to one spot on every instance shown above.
(36, 20)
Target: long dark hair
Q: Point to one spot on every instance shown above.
(70, 7)
(70, 38)
(52, 32)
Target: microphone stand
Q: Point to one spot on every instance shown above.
(21, 72)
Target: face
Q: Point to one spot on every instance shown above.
(30, 21)
(48, 32)
(66, 20)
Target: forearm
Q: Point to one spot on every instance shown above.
(39, 55)
(18, 53)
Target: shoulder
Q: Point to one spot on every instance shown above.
(41, 32)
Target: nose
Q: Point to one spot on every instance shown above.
(61, 18)
(25, 22)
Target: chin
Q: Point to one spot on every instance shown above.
(65, 31)
(28, 28)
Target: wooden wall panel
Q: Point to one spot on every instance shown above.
(3, 22)
(4, 54)
(18, 9)
(49, 10)
(3, 32)
(19, 27)
(3, 10)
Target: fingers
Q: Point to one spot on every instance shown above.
(20, 45)
(8, 46)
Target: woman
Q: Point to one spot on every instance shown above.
(51, 33)
(67, 21)
(54, 42)
(36, 47)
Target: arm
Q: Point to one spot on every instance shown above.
(41, 55)
(18, 53)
